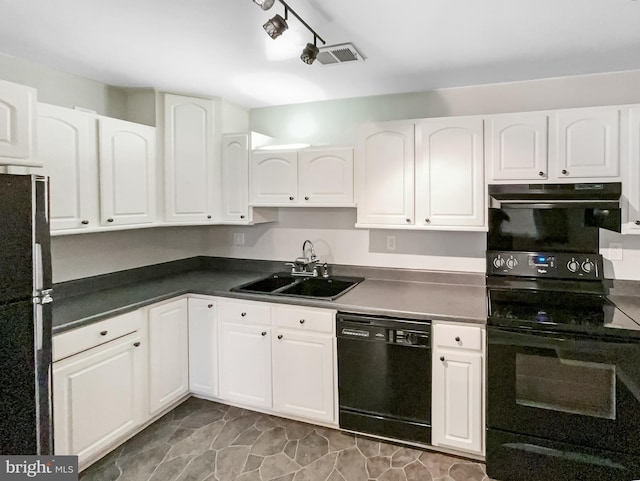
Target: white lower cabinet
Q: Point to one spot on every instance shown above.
(99, 393)
(245, 363)
(303, 363)
(457, 387)
(203, 347)
(168, 354)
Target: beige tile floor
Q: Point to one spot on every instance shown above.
(206, 441)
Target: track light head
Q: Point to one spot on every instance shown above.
(309, 53)
(264, 4)
(276, 26)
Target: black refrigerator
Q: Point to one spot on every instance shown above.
(25, 316)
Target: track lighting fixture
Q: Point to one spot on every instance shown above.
(264, 4)
(277, 25)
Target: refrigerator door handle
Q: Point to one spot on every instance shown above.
(43, 297)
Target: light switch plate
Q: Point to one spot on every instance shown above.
(238, 238)
(391, 242)
(615, 251)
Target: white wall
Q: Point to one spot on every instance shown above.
(59, 88)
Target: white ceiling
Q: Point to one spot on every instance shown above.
(218, 47)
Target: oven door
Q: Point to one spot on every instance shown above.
(565, 387)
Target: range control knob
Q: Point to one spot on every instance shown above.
(511, 262)
(498, 262)
(573, 265)
(587, 266)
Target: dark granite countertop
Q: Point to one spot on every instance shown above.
(397, 298)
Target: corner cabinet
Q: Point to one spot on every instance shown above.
(385, 172)
(17, 124)
(450, 187)
(458, 387)
(189, 158)
(168, 354)
(127, 172)
(310, 177)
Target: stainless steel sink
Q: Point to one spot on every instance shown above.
(284, 284)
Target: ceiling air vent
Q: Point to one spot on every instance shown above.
(342, 53)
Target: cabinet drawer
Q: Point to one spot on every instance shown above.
(246, 312)
(307, 319)
(83, 338)
(456, 336)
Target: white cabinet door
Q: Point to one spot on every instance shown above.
(385, 170)
(203, 347)
(632, 170)
(98, 397)
(450, 172)
(67, 149)
(17, 124)
(245, 363)
(516, 146)
(326, 176)
(585, 143)
(235, 177)
(168, 354)
(127, 172)
(457, 400)
(189, 158)
(303, 375)
(273, 178)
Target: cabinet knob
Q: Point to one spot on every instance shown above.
(428, 221)
(84, 222)
(564, 172)
(541, 174)
(103, 333)
(243, 314)
(301, 321)
(408, 220)
(264, 333)
(209, 306)
(136, 344)
(306, 197)
(242, 217)
(279, 336)
(442, 358)
(208, 217)
(109, 220)
(291, 198)
(638, 222)
(457, 338)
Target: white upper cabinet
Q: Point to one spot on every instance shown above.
(516, 146)
(127, 172)
(273, 177)
(555, 146)
(67, 150)
(235, 177)
(385, 171)
(450, 172)
(189, 158)
(326, 176)
(17, 124)
(585, 143)
(631, 179)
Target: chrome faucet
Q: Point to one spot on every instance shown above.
(307, 265)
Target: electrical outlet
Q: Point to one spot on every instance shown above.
(238, 238)
(391, 242)
(615, 251)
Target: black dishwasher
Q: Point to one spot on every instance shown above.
(384, 376)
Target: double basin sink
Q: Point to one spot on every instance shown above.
(285, 284)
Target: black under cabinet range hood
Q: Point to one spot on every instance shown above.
(597, 204)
